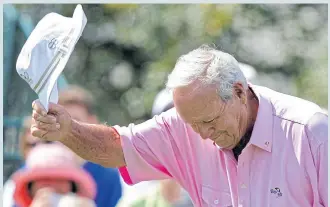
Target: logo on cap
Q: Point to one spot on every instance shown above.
(26, 77)
(53, 43)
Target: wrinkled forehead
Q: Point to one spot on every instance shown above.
(196, 105)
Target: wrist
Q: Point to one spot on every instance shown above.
(72, 126)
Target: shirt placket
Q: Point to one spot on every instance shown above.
(232, 175)
(243, 178)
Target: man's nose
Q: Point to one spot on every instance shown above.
(206, 132)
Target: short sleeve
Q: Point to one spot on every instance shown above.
(317, 130)
(151, 149)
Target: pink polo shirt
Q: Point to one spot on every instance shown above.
(285, 163)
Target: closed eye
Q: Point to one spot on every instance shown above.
(206, 122)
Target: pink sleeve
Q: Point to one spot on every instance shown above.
(317, 129)
(150, 150)
(322, 169)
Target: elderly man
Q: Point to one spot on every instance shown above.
(227, 142)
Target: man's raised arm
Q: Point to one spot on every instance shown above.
(97, 143)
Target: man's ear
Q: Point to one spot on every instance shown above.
(240, 92)
(93, 119)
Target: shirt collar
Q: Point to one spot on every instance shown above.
(262, 134)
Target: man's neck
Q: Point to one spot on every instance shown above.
(253, 105)
(237, 150)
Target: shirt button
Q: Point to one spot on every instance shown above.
(243, 185)
(216, 202)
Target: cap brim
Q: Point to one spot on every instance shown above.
(85, 183)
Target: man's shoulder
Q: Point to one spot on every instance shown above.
(170, 114)
(292, 108)
(317, 127)
(166, 121)
(311, 117)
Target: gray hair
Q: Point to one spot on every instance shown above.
(209, 66)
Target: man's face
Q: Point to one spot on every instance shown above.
(80, 113)
(203, 109)
(29, 142)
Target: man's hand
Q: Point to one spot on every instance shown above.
(52, 126)
(93, 142)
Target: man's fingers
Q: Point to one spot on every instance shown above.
(49, 119)
(54, 108)
(40, 133)
(37, 106)
(45, 126)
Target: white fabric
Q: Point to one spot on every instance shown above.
(73, 200)
(47, 50)
(8, 193)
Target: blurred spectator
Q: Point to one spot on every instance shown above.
(26, 143)
(79, 103)
(53, 177)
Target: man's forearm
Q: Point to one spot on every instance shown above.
(96, 143)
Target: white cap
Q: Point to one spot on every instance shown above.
(47, 50)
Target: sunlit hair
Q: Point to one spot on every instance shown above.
(208, 66)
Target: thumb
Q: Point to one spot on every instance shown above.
(38, 107)
(54, 108)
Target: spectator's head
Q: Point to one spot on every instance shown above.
(27, 141)
(79, 103)
(51, 166)
(163, 102)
